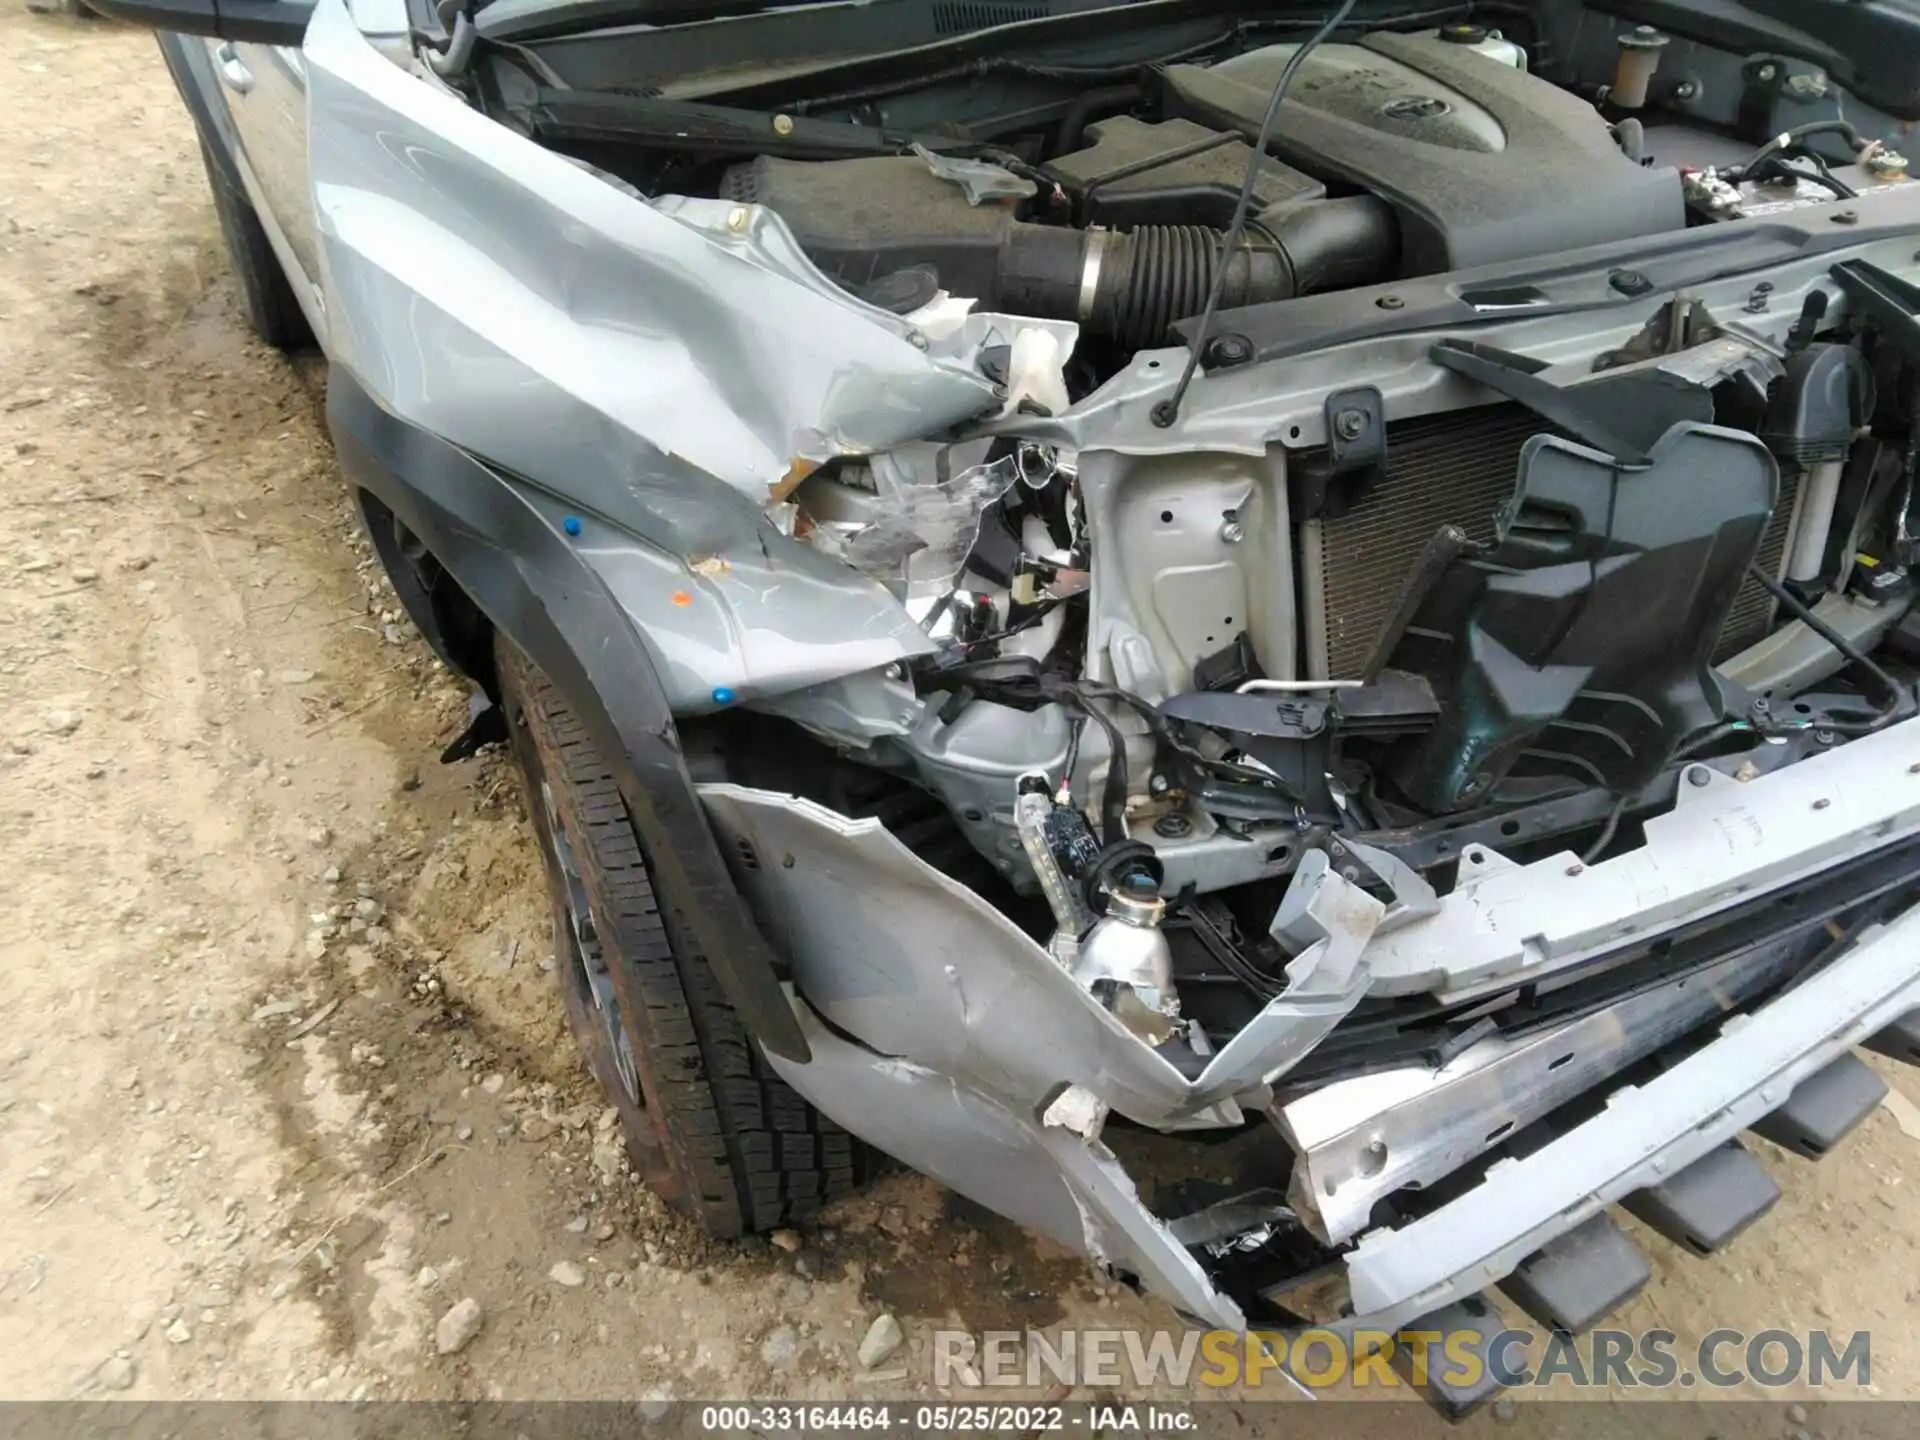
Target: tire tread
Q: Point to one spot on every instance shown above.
(754, 1155)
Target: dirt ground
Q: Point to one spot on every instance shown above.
(283, 1074)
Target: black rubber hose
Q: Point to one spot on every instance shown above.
(1158, 274)
(1132, 286)
(1073, 125)
(1335, 244)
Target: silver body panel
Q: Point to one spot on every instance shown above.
(1054, 1181)
(917, 966)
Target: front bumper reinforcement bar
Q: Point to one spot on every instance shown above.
(1644, 1135)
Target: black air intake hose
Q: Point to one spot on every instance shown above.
(1133, 285)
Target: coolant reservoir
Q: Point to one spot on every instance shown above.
(1482, 41)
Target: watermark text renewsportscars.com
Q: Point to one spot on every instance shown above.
(1317, 1359)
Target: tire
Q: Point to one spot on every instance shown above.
(265, 291)
(708, 1125)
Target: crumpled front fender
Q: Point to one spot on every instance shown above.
(525, 308)
(943, 1034)
(652, 372)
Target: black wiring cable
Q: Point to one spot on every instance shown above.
(1770, 159)
(1207, 931)
(1712, 736)
(1073, 753)
(1041, 609)
(1085, 696)
(1825, 176)
(1164, 732)
(1168, 410)
(1607, 831)
(1896, 692)
(1820, 175)
(1113, 790)
(1792, 139)
(1113, 802)
(1693, 747)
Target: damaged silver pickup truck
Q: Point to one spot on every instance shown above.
(1334, 584)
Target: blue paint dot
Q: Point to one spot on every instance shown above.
(571, 524)
(722, 695)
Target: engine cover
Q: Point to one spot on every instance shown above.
(1483, 161)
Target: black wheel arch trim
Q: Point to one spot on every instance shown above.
(535, 587)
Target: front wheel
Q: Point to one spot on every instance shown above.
(708, 1125)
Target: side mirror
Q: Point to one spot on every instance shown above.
(260, 22)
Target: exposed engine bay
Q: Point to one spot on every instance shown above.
(1512, 603)
(1403, 154)
(1061, 180)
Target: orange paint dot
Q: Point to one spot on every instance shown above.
(682, 598)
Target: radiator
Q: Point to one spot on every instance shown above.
(1458, 469)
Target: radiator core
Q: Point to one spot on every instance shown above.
(1458, 469)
